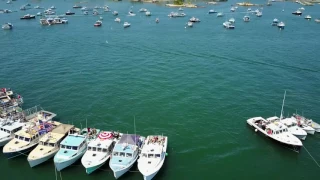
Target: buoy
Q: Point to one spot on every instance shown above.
(166, 154)
(256, 130)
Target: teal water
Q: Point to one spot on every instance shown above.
(196, 85)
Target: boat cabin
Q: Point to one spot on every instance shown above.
(276, 128)
(12, 127)
(27, 136)
(73, 142)
(101, 145)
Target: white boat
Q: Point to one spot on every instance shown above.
(212, 11)
(38, 7)
(143, 10)
(85, 12)
(99, 150)
(307, 122)
(125, 153)
(52, 7)
(23, 8)
(246, 18)
(232, 20)
(317, 20)
(193, 19)
(275, 22)
(7, 11)
(9, 2)
(157, 20)
(58, 20)
(228, 25)
(27, 138)
(308, 17)
(126, 24)
(117, 20)
(259, 14)
(7, 129)
(152, 156)
(73, 147)
(131, 14)
(276, 131)
(297, 12)
(302, 9)
(148, 13)
(220, 14)
(115, 13)
(39, 14)
(281, 25)
(291, 125)
(49, 144)
(190, 24)
(232, 9)
(180, 9)
(7, 26)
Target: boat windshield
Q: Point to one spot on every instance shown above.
(104, 150)
(157, 155)
(150, 155)
(144, 155)
(27, 139)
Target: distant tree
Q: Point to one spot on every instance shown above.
(178, 2)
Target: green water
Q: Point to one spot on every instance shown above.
(196, 85)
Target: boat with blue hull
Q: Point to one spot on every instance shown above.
(125, 153)
(73, 147)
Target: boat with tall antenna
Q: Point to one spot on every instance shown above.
(152, 155)
(276, 131)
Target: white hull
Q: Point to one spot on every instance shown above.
(302, 137)
(309, 131)
(149, 177)
(64, 164)
(35, 162)
(118, 174)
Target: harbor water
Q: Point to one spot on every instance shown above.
(198, 85)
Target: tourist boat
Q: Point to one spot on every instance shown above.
(228, 25)
(152, 156)
(297, 12)
(115, 13)
(73, 147)
(126, 24)
(276, 131)
(85, 12)
(193, 19)
(27, 138)
(281, 25)
(246, 18)
(49, 144)
(125, 153)
(232, 20)
(259, 14)
(232, 9)
(99, 150)
(157, 20)
(69, 13)
(275, 22)
(77, 6)
(291, 125)
(148, 13)
(143, 10)
(117, 20)
(220, 14)
(7, 129)
(190, 24)
(7, 26)
(212, 11)
(308, 17)
(307, 122)
(98, 23)
(9, 99)
(180, 9)
(131, 14)
(317, 20)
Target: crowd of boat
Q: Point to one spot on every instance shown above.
(288, 131)
(49, 17)
(34, 133)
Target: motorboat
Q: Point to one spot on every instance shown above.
(99, 150)
(7, 26)
(291, 125)
(157, 20)
(249, 10)
(49, 12)
(23, 8)
(39, 14)
(106, 9)
(69, 13)
(85, 12)
(9, 99)
(275, 22)
(125, 153)
(73, 147)
(152, 156)
(308, 122)
(28, 16)
(7, 130)
(297, 12)
(228, 25)
(115, 13)
(77, 6)
(317, 20)
(275, 131)
(232, 9)
(246, 18)
(58, 20)
(52, 7)
(126, 24)
(38, 7)
(9, 2)
(143, 10)
(27, 138)
(95, 13)
(148, 13)
(131, 14)
(302, 9)
(98, 7)
(190, 24)
(117, 20)
(259, 14)
(308, 17)
(98, 23)
(101, 18)
(49, 144)
(281, 25)
(193, 19)
(7, 11)
(232, 20)
(212, 11)
(220, 14)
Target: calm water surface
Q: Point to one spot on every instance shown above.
(196, 85)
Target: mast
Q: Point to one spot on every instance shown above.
(284, 97)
